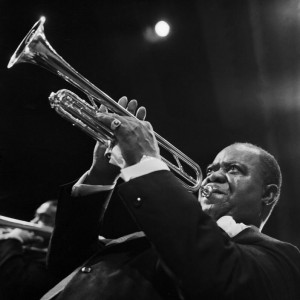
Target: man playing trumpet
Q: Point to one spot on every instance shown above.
(23, 254)
(162, 242)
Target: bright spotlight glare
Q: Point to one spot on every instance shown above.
(162, 28)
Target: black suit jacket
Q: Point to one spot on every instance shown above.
(185, 255)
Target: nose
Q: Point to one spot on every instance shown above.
(216, 176)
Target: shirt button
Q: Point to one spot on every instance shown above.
(86, 269)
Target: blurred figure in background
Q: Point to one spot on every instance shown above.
(23, 254)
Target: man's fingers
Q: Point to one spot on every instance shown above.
(123, 101)
(141, 113)
(132, 106)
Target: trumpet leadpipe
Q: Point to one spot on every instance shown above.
(44, 231)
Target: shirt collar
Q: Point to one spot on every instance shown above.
(232, 228)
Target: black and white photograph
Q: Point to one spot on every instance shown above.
(149, 150)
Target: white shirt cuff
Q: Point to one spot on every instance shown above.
(145, 166)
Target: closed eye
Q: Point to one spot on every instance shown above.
(208, 171)
(234, 168)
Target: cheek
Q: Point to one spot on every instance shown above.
(243, 187)
(245, 195)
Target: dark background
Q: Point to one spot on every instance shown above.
(229, 71)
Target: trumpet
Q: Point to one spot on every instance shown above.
(35, 49)
(12, 223)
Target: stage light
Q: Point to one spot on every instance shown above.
(158, 32)
(162, 28)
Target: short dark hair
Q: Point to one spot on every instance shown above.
(270, 168)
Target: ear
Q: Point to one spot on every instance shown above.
(269, 194)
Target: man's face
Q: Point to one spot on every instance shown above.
(45, 215)
(238, 185)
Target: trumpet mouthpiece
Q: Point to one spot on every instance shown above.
(206, 191)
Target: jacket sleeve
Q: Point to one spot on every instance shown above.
(9, 248)
(200, 256)
(75, 236)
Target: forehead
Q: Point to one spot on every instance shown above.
(239, 153)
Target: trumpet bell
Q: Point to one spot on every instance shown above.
(27, 50)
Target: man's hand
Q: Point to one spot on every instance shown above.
(134, 137)
(24, 236)
(101, 171)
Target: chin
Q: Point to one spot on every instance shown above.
(213, 210)
(209, 210)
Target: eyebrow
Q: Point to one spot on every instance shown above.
(225, 164)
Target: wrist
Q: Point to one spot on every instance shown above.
(97, 177)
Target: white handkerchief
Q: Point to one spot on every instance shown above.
(232, 228)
